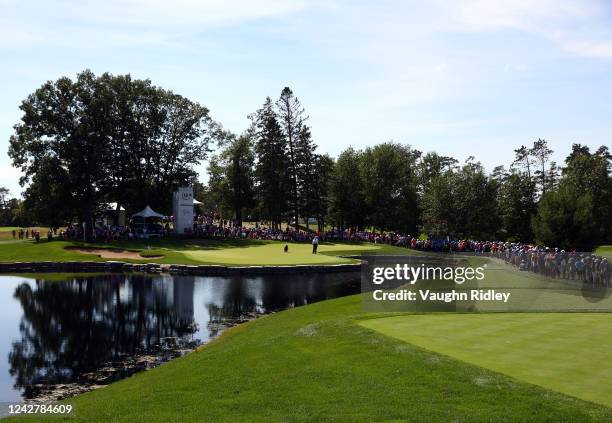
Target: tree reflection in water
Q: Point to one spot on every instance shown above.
(74, 327)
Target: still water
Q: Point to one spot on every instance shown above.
(54, 331)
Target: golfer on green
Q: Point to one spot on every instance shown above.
(315, 244)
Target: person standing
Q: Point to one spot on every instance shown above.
(315, 244)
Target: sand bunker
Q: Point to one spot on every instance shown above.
(112, 253)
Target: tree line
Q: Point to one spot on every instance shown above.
(273, 173)
(84, 143)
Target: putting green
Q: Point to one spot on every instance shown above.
(569, 353)
(273, 254)
(604, 250)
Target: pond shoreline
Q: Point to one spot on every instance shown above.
(124, 367)
(173, 269)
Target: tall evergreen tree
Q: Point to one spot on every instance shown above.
(271, 169)
(541, 153)
(307, 167)
(292, 116)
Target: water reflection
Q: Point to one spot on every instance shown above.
(72, 327)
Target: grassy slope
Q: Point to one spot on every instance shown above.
(197, 251)
(317, 363)
(569, 353)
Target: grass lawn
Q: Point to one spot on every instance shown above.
(272, 254)
(604, 250)
(6, 232)
(569, 353)
(229, 252)
(317, 363)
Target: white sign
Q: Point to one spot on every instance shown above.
(183, 210)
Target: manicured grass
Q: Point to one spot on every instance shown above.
(272, 254)
(604, 250)
(569, 353)
(8, 228)
(317, 363)
(6, 232)
(198, 251)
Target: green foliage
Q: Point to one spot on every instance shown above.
(237, 165)
(466, 198)
(271, 169)
(517, 205)
(346, 191)
(577, 214)
(81, 143)
(390, 187)
(297, 137)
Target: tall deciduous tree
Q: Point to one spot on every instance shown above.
(346, 191)
(62, 140)
(110, 138)
(239, 160)
(577, 213)
(390, 186)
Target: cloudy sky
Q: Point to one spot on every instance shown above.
(465, 77)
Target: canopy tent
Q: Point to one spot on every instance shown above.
(196, 202)
(147, 212)
(113, 207)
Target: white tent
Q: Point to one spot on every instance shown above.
(113, 207)
(196, 202)
(147, 212)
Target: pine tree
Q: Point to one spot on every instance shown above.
(271, 169)
(292, 116)
(307, 172)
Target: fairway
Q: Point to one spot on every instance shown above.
(273, 254)
(568, 353)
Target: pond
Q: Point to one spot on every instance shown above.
(58, 333)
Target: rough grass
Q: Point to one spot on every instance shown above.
(317, 363)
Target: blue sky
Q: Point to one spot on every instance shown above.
(466, 77)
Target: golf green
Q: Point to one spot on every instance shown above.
(273, 254)
(604, 250)
(569, 353)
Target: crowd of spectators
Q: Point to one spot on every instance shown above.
(552, 262)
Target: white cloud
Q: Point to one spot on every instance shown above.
(526, 15)
(128, 22)
(577, 28)
(601, 50)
